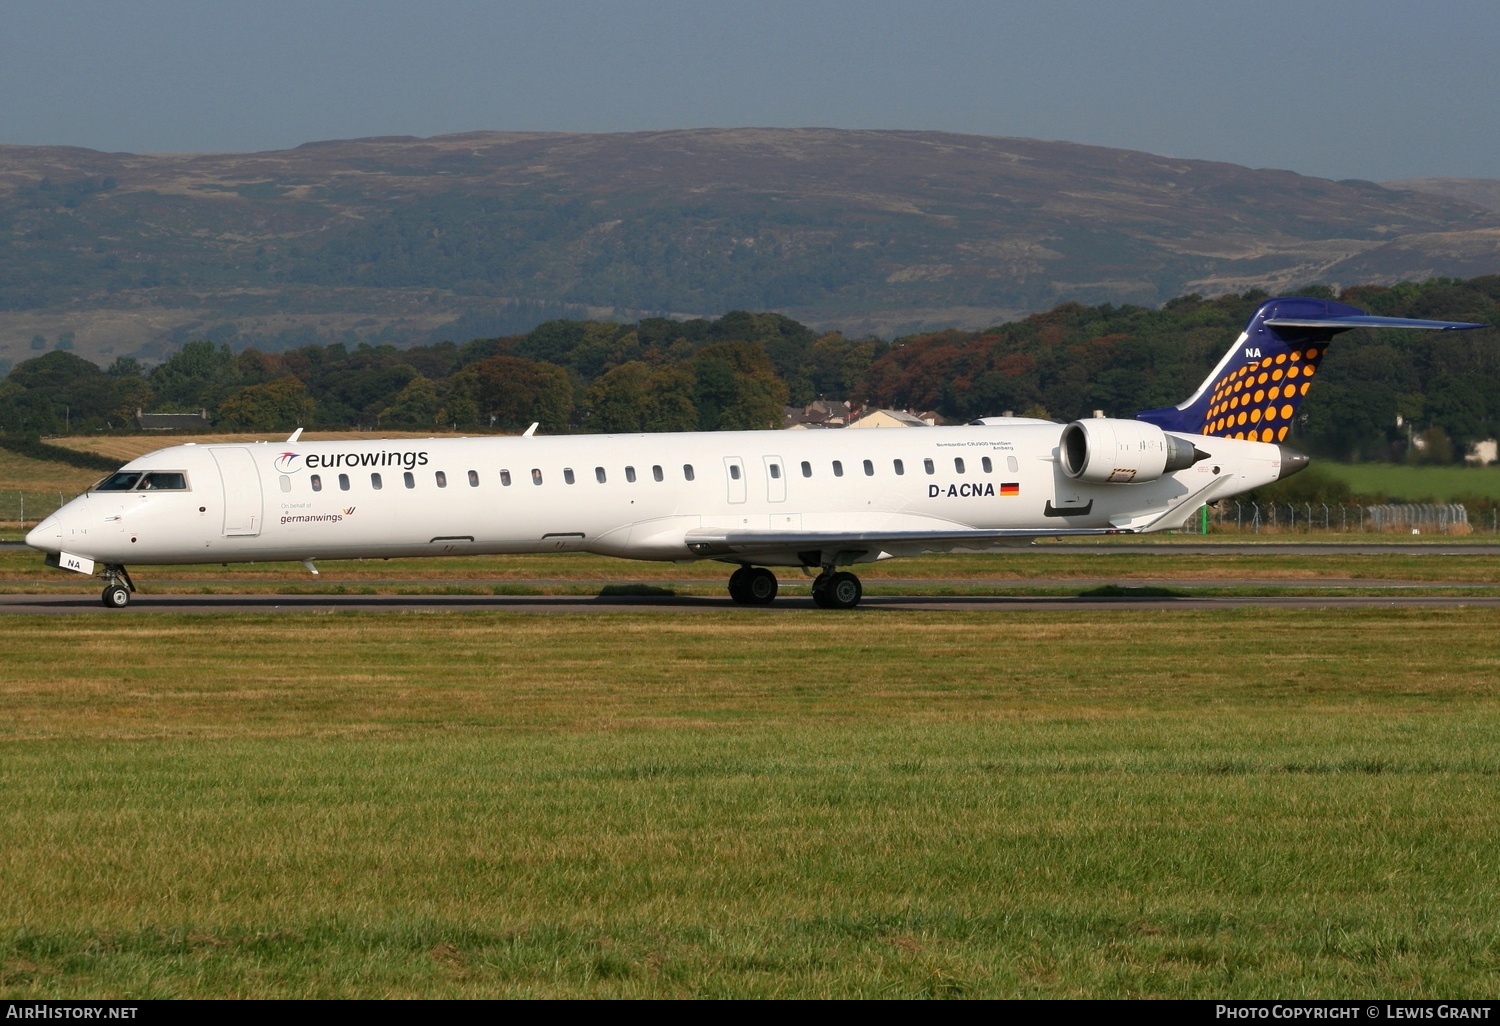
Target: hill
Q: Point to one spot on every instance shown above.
(416, 240)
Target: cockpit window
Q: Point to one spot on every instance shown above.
(119, 482)
(165, 480)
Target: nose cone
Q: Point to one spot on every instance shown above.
(1292, 461)
(46, 536)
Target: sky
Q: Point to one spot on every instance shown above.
(1373, 89)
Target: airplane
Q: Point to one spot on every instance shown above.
(816, 500)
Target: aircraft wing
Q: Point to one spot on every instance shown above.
(712, 542)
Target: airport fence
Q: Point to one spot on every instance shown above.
(1237, 517)
(28, 508)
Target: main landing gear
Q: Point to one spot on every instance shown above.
(756, 586)
(837, 589)
(752, 586)
(117, 586)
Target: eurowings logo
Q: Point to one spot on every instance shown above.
(289, 462)
(349, 512)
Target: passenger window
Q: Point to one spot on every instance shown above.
(536, 476)
(286, 483)
(1010, 461)
(958, 464)
(656, 474)
(375, 481)
(838, 468)
(441, 478)
(806, 469)
(121, 482)
(988, 467)
(630, 474)
(734, 471)
(899, 467)
(568, 475)
(505, 478)
(473, 479)
(343, 482)
(408, 480)
(927, 466)
(599, 474)
(687, 471)
(869, 469)
(317, 482)
(776, 471)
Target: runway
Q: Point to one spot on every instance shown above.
(295, 605)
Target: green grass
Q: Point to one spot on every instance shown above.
(1241, 803)
(1416, 484)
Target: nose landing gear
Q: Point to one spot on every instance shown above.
(117, 586)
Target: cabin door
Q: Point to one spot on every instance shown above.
(242, 499)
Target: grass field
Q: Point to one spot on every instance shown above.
(1416, 484)
(1237, 803)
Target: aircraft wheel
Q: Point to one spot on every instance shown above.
(116, 596)
(737, 585)
(760, 586)
(820, 591)
(843, 591)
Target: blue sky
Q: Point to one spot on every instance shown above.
(1375, 89)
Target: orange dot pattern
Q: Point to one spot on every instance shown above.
(1258, 399)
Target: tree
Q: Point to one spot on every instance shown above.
(616, 402)
(60, 389)
(669, 401)
(416, 406)
(757, 403)
(517, 392)
(278, 405)
(199, 375)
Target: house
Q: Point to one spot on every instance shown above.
(1483, 453)
(821, 414)
(171, 421)
(889, 418)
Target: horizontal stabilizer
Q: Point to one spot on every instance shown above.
(1368, 321)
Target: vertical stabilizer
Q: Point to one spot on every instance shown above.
(1259, 384)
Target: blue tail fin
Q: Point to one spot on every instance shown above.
(1257, 387)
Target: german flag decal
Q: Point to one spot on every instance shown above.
(1010, 488)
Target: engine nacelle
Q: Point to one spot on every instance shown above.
(1103, 450)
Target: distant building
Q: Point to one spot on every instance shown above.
(889, 418)
(171, 421)
(821, 414)
(1483, 453)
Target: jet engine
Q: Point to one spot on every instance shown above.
(1104, 450)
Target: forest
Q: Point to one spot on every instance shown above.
(1378, 394)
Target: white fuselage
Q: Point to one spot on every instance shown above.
(346, 499)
